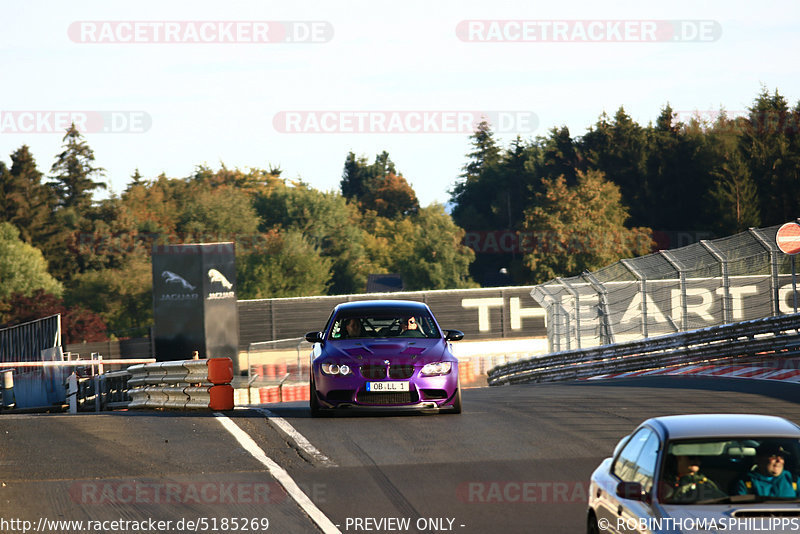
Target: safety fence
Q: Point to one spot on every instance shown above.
(184, 384)
(723, 281)
(755, 340)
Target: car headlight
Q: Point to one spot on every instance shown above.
(438, 368)
(336, 369)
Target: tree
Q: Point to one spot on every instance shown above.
(769, 145)
(73, 173)
(377, 187)
(30, 202)
(734, 194)
(23, 269)
(580, 228)
(286, 265)
(390, 196)
(330, 223)
(78, 325)
(425, 249)
(478, 182)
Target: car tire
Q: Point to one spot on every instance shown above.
(456, 406)
(313, 402)
(591, 525)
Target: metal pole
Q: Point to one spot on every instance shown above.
(794, 284)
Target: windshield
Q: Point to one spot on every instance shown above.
(374, 325)
(733, 470)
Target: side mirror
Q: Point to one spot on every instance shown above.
(314, 337)
(632, 491)
(453, 335)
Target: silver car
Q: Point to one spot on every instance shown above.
(691, 473)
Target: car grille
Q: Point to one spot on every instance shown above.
(373, 371)
(401, 371)
(399, 397)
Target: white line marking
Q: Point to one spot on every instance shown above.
(299, 439)
(280, 474)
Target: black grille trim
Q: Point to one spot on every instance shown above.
(401, 371)
(382, 398)
(373, 371)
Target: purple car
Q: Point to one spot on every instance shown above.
(384, 354)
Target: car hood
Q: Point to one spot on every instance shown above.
(749, 517)
(412, 350)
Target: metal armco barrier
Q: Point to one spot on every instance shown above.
(185, 384)
(758, 339)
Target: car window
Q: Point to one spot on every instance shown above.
(625, 464)
(646, 463)
(376, 325)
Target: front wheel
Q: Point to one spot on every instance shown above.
(456, 406)
(313, 402)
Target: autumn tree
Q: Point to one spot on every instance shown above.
(580, 228)
(378, 186)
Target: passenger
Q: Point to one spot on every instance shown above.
(768, 477)
(410, 328)
(352, 328)
(691, 485)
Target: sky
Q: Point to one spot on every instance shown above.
(163, 87)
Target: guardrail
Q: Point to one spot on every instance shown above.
(758, 338)
(184, 384)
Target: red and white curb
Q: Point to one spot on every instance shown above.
(785, 370)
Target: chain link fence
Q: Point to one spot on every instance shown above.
(732, 279)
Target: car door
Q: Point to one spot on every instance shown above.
(636, 462)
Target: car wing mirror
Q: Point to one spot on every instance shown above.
(314, 337)
(632, 491)
(453, 335)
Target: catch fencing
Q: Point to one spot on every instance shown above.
(748, 341)
(723, 281)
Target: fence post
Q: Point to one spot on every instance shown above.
(628, 264)
(607, 334)
(682, 277)
(726, 283)
(575, 295)
(773, 279)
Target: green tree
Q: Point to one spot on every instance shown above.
(330, 223)
(619, 150)
(74, 171)
(479, 181)
(769, 145)
(23, 269)
(121, 296)
(286, 265)
(734, 194)
(30, 203)
(580, 228)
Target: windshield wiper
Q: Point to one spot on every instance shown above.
(736, 499)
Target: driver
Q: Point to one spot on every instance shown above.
(690, 484)
(768, 478)
(410, 328)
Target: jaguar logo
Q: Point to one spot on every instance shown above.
(216, 276)
(172, 278)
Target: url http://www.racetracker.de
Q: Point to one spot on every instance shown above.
(145, 526)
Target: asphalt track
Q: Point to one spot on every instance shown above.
(517, 460)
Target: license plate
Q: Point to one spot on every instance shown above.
(387, 386)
